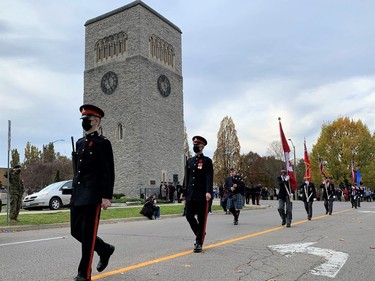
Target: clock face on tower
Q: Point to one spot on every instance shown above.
(164, 85)
(109, 82)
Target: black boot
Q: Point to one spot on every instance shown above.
(104, 259)
(282, 215)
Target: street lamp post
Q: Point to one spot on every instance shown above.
(294, 161)
(51, 142)
(294, 154)
(56, 141)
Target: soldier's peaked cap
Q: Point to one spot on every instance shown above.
(199, 139)
(89, 109)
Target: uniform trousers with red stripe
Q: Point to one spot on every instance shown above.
(84, 222)
(199, 209)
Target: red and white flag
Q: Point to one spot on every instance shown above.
(306, 159)
(288, 163)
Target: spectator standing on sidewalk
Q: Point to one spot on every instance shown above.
(16, 191)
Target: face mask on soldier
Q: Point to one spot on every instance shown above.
(196, 148)
(86, 124)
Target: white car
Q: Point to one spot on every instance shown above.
(50, 196)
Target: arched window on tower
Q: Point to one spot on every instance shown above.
(99, 50)
(122, 42)
(119, 132)
(161, 50)
(110, 47)
(100, 131)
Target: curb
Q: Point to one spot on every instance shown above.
(18, 228)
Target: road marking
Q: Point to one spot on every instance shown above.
(367, 212)
(143, 264)
(334, 260)
(32, 241)
(151, 262)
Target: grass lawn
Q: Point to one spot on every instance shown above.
(111, 213)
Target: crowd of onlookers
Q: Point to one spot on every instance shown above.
(256, 192)
(171, 192)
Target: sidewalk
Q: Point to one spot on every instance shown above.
(14, 227)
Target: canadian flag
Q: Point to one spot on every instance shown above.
(288, 163)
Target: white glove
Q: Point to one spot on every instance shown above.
(287, 178)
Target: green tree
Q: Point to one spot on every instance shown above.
(247, 167)
(299, 171)
(48, 154)
(32, 154)
(227, 153)
(42, 169)
(15, 160)
(57, 176)
(340, 144)
(260, 170)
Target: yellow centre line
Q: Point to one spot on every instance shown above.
(154, 261)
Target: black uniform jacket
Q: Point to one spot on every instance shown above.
(229, 181)
(283, 184)
(328, 190)
(308, 192)
(199, 178)
(95, 171)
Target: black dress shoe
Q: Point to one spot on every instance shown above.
(104, 259)
(283, 222)
(80, 278)
(197, 248)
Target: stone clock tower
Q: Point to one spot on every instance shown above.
(133, 72)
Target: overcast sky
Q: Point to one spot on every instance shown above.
(308, 62)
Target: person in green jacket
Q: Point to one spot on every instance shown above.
(16, 191)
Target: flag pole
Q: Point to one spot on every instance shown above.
(8, 170)
(286, 165)
(289, 167)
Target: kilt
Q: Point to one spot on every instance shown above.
(236, 201)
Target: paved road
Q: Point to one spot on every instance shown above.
(343, 243)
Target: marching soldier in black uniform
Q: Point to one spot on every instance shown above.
(92, 190)
(198, 188)
(285, 199)
(235, 188)
(308, 195)
(328, 190)
(354, 195)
